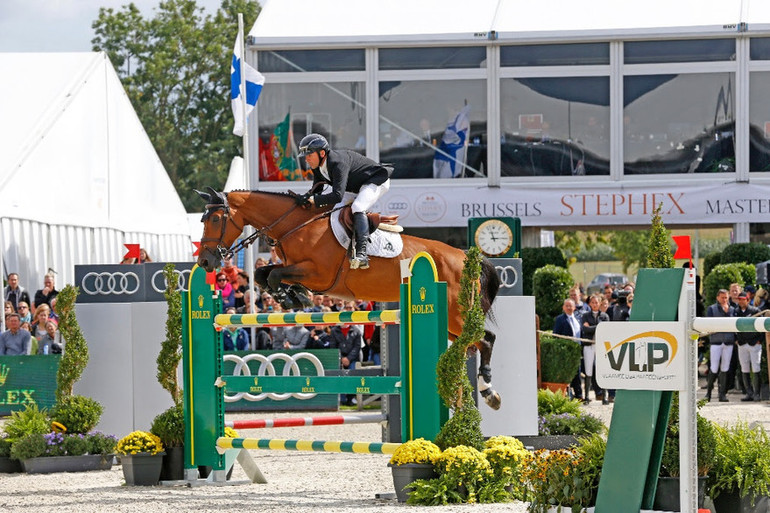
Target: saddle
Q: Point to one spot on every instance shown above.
(376, 220)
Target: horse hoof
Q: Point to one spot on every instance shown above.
(493, 400)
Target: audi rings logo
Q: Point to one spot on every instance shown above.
(105, 283)
(395, 205)
(158, 280)
(266, 368)
(508, 276)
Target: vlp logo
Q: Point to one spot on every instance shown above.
(640, 355)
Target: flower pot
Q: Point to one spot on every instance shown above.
(51, 464)
(550, 442)
(556, 387)
(730, 501)
(9, 465)
(667, 493)
(173, 464)
(142, 469)
(406, 474)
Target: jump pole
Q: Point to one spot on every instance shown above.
(326, 420)
(423, 323)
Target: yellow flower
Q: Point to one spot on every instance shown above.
(139, 441)
(416, 451)
(231, 433)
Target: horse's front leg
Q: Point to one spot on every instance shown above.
(261, 275)
(290, 295)
(491, 397)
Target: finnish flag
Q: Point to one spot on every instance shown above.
(254, 82)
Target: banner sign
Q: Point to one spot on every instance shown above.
(581, 203)
(641, 355)
(27, 380)
(130, 283)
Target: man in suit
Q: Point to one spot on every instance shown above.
(721, 347)
(568, 325)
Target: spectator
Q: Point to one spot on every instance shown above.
(577, 298)
(567, 324)
(294, 337)
(241, 288)
(52, 314)
(14, 341)
(228, 294)
(40, 318)
(234, 338)
(721, 347)
(735, 289)
(274, 258)
(52, 342)
(230, 271)
(8, 309)
(589, 321)
(319, 338)
(749, 351)
(46, 294)
(348, 340)
(750, 291)
(24, 313)
(144, 257)
(260, 262)
(128, 261)
(14, 292)
(760, 299)
(317, 300)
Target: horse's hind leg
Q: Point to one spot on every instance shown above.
(491, 397)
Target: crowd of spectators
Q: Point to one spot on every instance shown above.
(31, 326)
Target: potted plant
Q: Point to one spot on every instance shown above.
(169, 427)
(21, 423)
(8, 465)
(60, 452)
(507, 456)
(561, 421)
(667, 491)
(739, 481)
(141, 454)
(559, 362)
(413, 460)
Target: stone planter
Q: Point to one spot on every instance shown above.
(51, 464)
(173, 464)
(406, 474)
(9, 465)
(142, 469)
(667, 493)
(731, 502)
(550, 442)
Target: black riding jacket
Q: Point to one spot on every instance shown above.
(349, 171)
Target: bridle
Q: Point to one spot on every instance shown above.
(225, 208)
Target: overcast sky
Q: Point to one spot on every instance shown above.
(60, 25)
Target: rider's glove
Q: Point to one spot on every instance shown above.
(303, 199)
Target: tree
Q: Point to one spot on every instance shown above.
(631, 247)
(175, 67)
(659, 252)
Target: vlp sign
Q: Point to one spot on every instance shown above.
(641, 355)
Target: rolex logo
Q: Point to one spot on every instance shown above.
(4, 370)
(422, 293)
(363, 381)
(307, 382)
(256, 381)
(200, 301)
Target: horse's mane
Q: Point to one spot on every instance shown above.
(272, 193)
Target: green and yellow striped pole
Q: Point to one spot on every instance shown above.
(277, 444)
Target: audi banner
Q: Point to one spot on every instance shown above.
(117, 283)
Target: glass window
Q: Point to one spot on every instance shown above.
(434, 128)
(760, 49)
(555, 55)
(288, 112)
(310, 60)
(759, 121)
(433, 58)
(695, 50)
(555, 126)
(679, 123)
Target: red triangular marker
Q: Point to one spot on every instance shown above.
(133, 251)
(683, 249)
(197, 248)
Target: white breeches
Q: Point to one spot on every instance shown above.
(366, 197)
(589, 353)
(750, 357)
(720, 357)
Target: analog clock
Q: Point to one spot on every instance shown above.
(494, 237)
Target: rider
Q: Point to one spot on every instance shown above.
(353, 178)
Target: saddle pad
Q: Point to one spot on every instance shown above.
(382, 244)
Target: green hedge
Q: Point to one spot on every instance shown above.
(551, 288)
(710, 261)
(720, 278)
(748, 252)
(559, 359)
(533, 259)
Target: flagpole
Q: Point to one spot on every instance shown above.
(247, 171)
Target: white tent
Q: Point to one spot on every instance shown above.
(78, 175)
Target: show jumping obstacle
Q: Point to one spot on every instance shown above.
(326, 420)
(423, 320)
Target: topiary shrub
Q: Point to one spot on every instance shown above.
(748, 252)
(659, 254)
(710, 261)
(720, 278)
(559, 359)
(551, 288)
(169, 426)
(533, 259)
(748, 272)
(78, 413)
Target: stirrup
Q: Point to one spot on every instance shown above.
(359, 262)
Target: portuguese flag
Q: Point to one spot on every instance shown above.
(278, 157)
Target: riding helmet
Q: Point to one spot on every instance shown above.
(312, 143)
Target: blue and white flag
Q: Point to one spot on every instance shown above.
(449, 159)
(254, 82)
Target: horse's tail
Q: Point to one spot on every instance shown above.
(490, 286)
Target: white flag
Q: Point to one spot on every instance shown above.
(254, 82)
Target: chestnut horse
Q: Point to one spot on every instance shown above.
(313, 258)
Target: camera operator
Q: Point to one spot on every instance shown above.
(620, 310)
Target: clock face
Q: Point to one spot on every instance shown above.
(494, 237)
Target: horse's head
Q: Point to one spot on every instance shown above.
(220, 229)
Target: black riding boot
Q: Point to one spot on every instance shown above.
(747, 386)
(361, 234)
(722, 386)
(586, 400)
(757, 387)
(709, 384)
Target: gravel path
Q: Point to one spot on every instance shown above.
(298, 482)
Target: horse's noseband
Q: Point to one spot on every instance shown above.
(225, 208)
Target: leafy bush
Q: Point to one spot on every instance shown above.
(5, 446)
(551, 286)
(169, 426)
(79, 414)
(720, 278)
(533, 259)
(30, 446)
(580, 424)
(748, 252)
(28, 421)
(549, 402)
(669, 466)
(742, 461)
(710, 261)
(99, 443)
(748, 272)
(559, 359)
